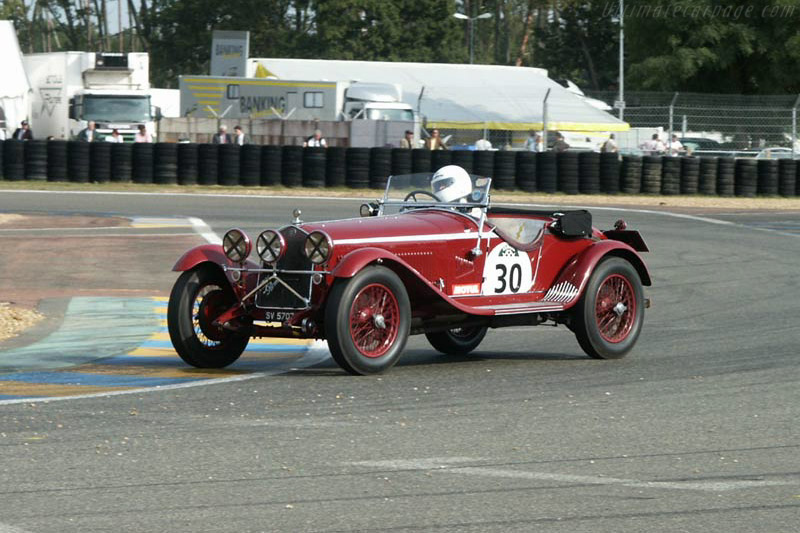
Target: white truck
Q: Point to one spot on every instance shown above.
(230, 97)
(72, 88)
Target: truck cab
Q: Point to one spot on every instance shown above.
(376, 101)
(72, 88)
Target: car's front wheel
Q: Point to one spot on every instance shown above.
(367, 321)
(608, 318)
(198, 296)
(457, 341)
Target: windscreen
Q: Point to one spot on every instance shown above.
(112, 108)
(390, 114)
(415, 190)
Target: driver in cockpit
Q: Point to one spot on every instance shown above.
(451, 184)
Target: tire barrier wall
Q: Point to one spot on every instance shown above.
(294, 166)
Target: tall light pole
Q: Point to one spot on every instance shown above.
(471, 22)
(621, 96)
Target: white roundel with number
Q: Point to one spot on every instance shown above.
(507, 271)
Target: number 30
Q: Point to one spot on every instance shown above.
(513, 277)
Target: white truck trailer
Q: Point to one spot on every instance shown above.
(229, 97)
(72, 88)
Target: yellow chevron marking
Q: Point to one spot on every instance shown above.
(155, 372)
(19, 388)
(207, 88)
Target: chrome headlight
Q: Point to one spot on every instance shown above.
(236, 245)
(318, 247)
(270, 246)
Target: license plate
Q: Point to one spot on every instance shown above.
(277, 316)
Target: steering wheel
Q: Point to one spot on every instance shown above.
(413, 194)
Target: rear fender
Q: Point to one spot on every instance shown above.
(572, 281)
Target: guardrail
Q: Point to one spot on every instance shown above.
(294, 166)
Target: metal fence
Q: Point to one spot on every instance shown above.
(740, 124)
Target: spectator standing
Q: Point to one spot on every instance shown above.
(222, 136)
(408, 140)
(316, 140)
(143, 136)
(560, 145)
(23, 133)
(239, 136)
(610, 146)
(435, 142)
(534, 142)
(675, 147)
(89, 133)
(653, 146)
(115, 137)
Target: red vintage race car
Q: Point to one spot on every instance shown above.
(432, 257)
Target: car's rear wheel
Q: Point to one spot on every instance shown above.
(198, 296)
(609, 316)
(367, 320)
(457, 341)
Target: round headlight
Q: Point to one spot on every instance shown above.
(236, 245)
(318, 247)
(270, 246)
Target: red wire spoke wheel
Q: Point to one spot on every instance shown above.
(616, 308)
(367, 320)
(373, 320)
(198, 297)
(608, 318)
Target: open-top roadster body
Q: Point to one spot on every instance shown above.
(417, 261)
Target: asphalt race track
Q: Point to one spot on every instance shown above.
(696, 430)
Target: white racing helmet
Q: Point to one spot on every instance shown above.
(451, 183)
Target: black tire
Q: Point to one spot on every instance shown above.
(56, 160)
(100, 162)
(546, 172)
(421, 161)
(271, 165)
(187, 163)
(340, 312)
(465, 159)
(314, 166)
(482, 163)
(193, 292)
(335, 166)
(457, 341)
(609, 275)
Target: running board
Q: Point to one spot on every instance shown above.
(523, 308)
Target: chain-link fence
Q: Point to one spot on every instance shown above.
(730, 123)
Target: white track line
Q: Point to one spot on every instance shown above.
(450, 465)
(204, 230)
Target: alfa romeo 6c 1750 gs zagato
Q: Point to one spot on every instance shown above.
(431, 257)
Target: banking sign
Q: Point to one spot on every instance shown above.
(229, 52)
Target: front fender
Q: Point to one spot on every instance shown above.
(416, 284)
(580, 268)
(201, 254)
(353, 262)
(206, 253)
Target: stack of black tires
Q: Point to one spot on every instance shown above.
(249, 165)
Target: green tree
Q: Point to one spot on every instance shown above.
(713, 46)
